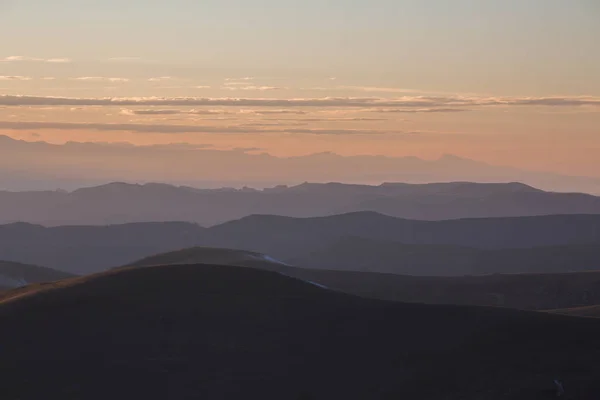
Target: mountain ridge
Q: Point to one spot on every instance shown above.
(121, 202)
(85, 249)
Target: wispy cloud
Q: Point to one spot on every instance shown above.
(418, 110)
(124, 59)
(375, 89)
(405, 102)
(101, 79)
(35, 59)
(247, 78)
(357, 119)
(174, 112)
(258, 88)
(14, 78)
(175, 129)
(161, 79)
(271, 112)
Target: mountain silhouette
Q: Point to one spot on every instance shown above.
(118, 203)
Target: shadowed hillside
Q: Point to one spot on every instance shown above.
(14, 275)
(522, 291)
(195, 331)
(118, 203)
(210, 255)
(590, 311)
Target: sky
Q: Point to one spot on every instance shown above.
(508, 82)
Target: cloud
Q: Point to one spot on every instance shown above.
(271, 112)
(34, 59)
(174, 129)
(201, 87)
(419, 110)
(405, 102)
(358, 119)
(234, 83)
(174, 112)
(161, 79)
(14, 78)
(259, 88)
(247, 78)
(100, 79)
(124, 59)
(58, 60)
(378, 89)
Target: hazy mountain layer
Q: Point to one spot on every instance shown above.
(125, 203)
(86, 249)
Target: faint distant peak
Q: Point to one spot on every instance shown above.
(451, 158)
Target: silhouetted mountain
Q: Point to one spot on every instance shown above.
(226, 332)
(126, 203)
(14, 275)
(87, 249)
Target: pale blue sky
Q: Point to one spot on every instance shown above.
(503, 47)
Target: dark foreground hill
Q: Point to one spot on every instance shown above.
(118, 203)
(13, 275)
(194, 331)
(88, 249)
(522, 291)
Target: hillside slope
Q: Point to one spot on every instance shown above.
(522, 291)
(195, 331)
(589, 311)
(14, 275)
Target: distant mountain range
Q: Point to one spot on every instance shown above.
(26, 165)
(117, 203)
(222, 331)
(354, 241)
